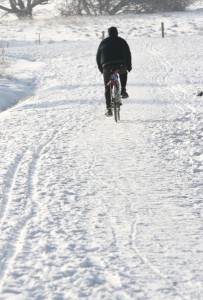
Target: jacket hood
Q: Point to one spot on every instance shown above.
(113, 31)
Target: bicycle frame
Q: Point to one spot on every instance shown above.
(115, 94)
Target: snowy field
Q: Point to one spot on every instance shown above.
(91, 209)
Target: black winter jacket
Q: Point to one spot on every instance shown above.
(112, 49)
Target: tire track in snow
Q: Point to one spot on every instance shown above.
(176, 91)
(9, 186)
(159, 77)
(17, 233)
(105, 211)
(109, 212)
(49, 207)
(171, 286)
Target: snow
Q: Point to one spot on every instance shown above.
(90, 208)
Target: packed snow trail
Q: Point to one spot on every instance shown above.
(97, 210)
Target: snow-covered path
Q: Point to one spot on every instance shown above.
(97, 210)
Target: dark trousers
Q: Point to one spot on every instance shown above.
(107, 72)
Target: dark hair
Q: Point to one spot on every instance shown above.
(113, 31)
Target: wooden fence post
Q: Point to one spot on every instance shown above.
(103, 35)
(162, 29)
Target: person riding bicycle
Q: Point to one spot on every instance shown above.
(114, 53)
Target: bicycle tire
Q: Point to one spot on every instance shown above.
(114, 101)
(115, 110)
(119, 112)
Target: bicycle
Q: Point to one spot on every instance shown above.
(115, 94)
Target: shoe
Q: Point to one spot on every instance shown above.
(124, 94)
(109, 112)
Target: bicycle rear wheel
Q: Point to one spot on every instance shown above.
(116, 108)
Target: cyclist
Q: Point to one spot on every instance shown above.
(114, 53)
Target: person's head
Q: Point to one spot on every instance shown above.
(113, 31)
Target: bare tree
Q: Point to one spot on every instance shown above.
(112, 7)
(170, 5)
(21, 8)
